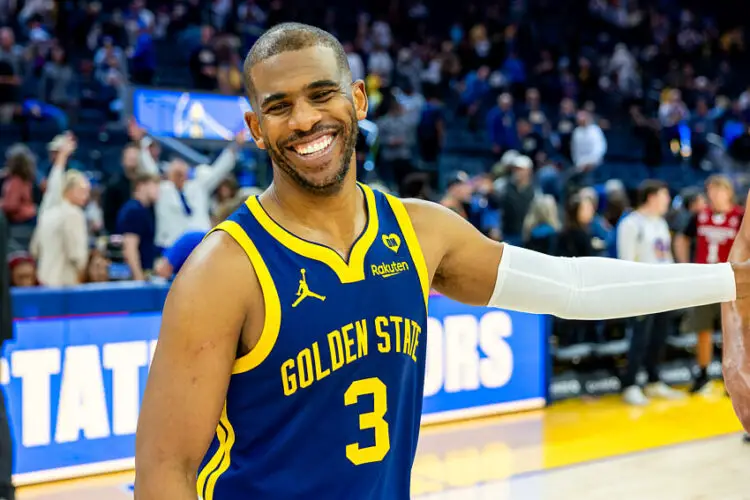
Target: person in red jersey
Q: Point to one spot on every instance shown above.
(714, 229)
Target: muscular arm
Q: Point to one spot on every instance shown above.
(470, 268)
(201, 325)
(735, 326)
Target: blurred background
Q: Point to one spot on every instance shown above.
(537, 120)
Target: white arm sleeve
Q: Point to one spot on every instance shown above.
(600, 288)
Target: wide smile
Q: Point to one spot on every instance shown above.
(317, 148)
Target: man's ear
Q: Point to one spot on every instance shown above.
(359, 96)
(253, 124)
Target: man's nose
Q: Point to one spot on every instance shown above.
(304, 116)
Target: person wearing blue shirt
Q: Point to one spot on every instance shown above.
(137, 224)
(176, 255)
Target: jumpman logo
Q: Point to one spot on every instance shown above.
(304, 292)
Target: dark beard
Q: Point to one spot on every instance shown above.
(348, 134)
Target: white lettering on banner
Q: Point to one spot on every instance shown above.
(83, 402)
(461, 339)
(433, 377)
(453, 352)
(34, 368)
(496, 369)
(125, 359)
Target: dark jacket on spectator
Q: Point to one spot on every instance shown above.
(115, 195)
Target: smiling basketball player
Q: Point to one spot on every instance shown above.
(259, 388)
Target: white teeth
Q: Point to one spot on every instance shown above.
(315, 146)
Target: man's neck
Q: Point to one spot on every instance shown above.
(142, 199)
(647, 211)
(722, 209)
(334, 214)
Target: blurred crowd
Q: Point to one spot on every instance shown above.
(544, 124)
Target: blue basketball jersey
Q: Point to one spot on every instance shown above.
(327, 405)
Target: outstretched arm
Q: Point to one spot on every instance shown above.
(473, 269)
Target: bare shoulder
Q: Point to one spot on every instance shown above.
(436, 227)
(217, 279)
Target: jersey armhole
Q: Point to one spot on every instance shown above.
(272, 305)
(412, 243)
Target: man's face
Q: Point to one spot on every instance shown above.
(306, 115)
(178, 173)
(130, 159)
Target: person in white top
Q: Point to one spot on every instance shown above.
(588, 144)
(643, 236)
(61, 242)
(185, 204)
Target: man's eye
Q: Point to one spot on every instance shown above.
(323, 96)
(277, 108)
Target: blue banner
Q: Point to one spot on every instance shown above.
(189, 115)
(76, 372)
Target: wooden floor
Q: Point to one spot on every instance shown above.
(578, 450)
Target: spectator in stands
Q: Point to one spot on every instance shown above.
(701, 125)
(431, 128)
(588, 145)
(643, 236)
(203, 62)
(143, 57)
(575, 239)
(542, 225)
(355, 62)
(672, 112)
(58, 85)
(175, 256)
(118, 189)
(97, 269)
(397, 135)
(514, 200)
(229, 73)
(566, 122)
(137, 225)
(501, 125)
(22, 269)
(530, 143)
(60, 242)
(11, 73)
(458, 194)
(18, 199)
(600, 228)
(224, 195)
(185, 204)
(534, 113)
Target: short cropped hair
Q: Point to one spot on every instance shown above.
(145, 178)
(719, 180)
(647, 188)
(289, 37)
(73, 179)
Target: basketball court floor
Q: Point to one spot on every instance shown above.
(579, 450)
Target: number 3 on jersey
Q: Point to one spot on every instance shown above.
(372, 420)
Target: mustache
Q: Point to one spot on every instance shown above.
(317, 129)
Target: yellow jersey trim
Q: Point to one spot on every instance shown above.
(347, 272)
(272, 321)
(221, 460)
(412, 243)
